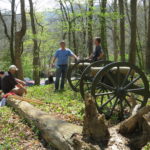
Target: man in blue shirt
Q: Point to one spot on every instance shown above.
(62, 56)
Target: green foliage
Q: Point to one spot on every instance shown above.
(67, 102)
(15, 134)
(5, 61)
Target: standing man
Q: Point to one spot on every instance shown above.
(62, 56)
(98, 53)
(11, 84)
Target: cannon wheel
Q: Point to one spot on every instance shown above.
(87, 77)
(76, 71)
(125, 90)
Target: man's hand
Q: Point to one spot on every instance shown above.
(25, 90)
(21, 82)
(52, 65)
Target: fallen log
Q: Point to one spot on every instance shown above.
(54, 131)
(95, 135)
(137, 127)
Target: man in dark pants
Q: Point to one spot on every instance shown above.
(62, 56)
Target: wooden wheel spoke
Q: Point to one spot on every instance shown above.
(139, 100)
(127, 76)
(132, 82)
(122, 109)
(77, 74)
(111, 79)
(107, 102)
(103, 94)
(106, 86)
(114, 105)
(77, 84)
(127, 102)
(136, 90)
(135, 98)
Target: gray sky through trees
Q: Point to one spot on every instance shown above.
(40, 4)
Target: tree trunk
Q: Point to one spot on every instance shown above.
(74, 29)
(122, 30)
(94, 127)
(103, 27)
(10, 37)
(115, 34)
(19, 41)
(12, 31)
(133, 46)
(36, 59)
(90, 28)
(148, 45)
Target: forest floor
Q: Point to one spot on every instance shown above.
(66, 105)
(15, 134)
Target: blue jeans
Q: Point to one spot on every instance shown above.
(60, 73)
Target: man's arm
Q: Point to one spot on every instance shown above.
(20, 82)
(75, 56)
(53, 61)
(22, 87)
(101, 55)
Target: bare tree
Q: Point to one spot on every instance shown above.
(103, 8)
(19, 40)
(12, 31)
(90, 28)
(36, 59)
(133, 46)
(115, 34)
(148, 45)
(11, 36)
(122, 30)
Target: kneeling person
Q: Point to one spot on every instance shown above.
(11, 84)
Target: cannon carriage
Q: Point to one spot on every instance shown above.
(115, 86)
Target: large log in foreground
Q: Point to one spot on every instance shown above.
(131, 134)
(54, 131)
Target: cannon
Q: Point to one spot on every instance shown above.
(115, 86)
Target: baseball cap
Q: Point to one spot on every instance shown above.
(13, 67)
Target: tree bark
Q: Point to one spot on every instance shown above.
(137, 128)
(122, 30)
(147, 65)
(133, 46)
(12, 31)
(90, 26)
(74, 28)
(94, 123)
(5, 26)
(19, 41)
(103, 7)
(115, 34)
(11, 36)
(36, 59)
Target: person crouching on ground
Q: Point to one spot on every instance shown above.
(11, 84)
(62, 56)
